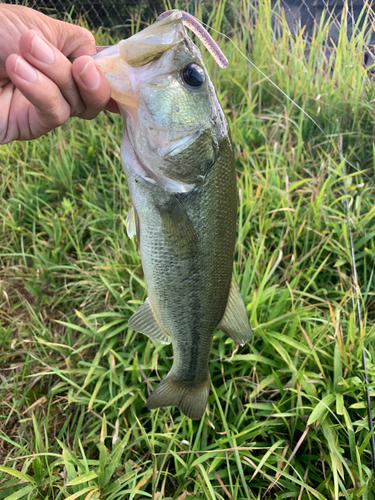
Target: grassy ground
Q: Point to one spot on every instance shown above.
(286, 416)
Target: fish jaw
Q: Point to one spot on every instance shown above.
(175, 158)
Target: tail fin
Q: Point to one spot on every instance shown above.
(192, 400)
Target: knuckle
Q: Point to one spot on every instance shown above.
(70, 92)
(78, 110)
(87, 36)
(58, 114)
(66, 85)
(76, 37)
(82, 35)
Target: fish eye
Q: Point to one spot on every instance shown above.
(193, 75)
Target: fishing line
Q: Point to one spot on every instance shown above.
(290, 100)
(354, 267)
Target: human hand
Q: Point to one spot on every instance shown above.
(39, 88)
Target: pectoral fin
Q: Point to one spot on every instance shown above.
(131, 223)
(144, 321)
(235, 321)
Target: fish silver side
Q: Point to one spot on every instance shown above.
(179, 163)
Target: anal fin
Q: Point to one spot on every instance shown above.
(144, 321)
(235, 321)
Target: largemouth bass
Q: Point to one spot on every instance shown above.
(179, 164)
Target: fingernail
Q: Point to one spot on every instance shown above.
(90, 75)
(24, 70)
(41, 51)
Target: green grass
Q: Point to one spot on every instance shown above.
(286, 416)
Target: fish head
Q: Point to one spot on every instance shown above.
(173, 121)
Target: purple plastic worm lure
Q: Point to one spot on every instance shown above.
(203, 35)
